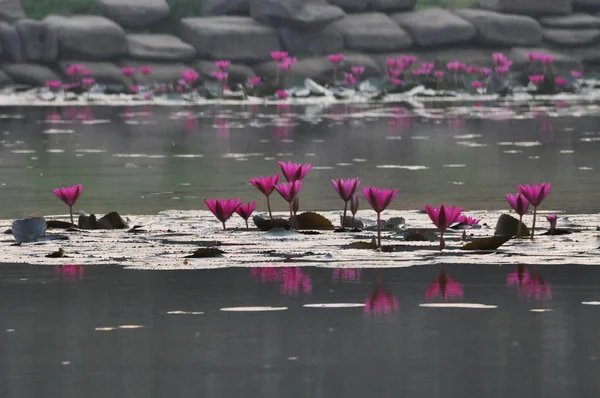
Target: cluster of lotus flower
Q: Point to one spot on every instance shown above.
(401, 72)
(378, 198)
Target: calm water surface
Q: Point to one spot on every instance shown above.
(50, 345)
(142, 160)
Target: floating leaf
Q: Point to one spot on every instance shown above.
(420, 235)
(507, 226)
(57, 254)
(310, 220)
(491, 243)
(264, 224)
(204, 252)
(29, 229)
(362, 245)
(56, 224)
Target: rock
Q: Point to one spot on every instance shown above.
(563, 62)
(5, 80)
(159, 47)
(161, 72)
(226, 7)
(507, 226)
(503, 30)
(233, 38)
(586, 5)
(573, 21)
(489, 243)
(372, 68)
(311, 220)
(351, 5)
(327, 40)
(571, 37)
(30, 74)
(39, 40)
(295, 13)
(587, 55)
(435, 27)
(75, 35)
(528, 7)
(111, 220)
(372, 32)
(237, 73)
(10, 43)
(135, 14)
(392, 5)
(102, 72)
(265, 224)
(11, 10)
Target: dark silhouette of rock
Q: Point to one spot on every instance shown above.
(111, 220)
(351, 5)
(307, 14)
(528, 7)
(226, 7)
(38, 40)
(392, 5)
(135, 14)
(265, 224)
(10, 43)
(32, 74)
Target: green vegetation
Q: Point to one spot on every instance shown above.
(39, 9)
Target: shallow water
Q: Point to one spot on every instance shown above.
(141, 160)
(60, 333)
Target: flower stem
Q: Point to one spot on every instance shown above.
(247, 227)
(269, 207)
(224, 226)
(533, 226)
(344, 217)
(519, 227)
(291, 216)
(442, 242)
(379, 230)
(71, 214)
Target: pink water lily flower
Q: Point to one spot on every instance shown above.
(88, 81)
(468, 220)
(552, 220)
(289, 191)
(294, 171)
(145, 70)
(245, 210)
(54, 85)
(266, 185)
(282, 94)
(69, 195)
(127, 71)
(278, 56)
(346, 190)
(379, 199)
(576, 74)
(520, 205)
(443, 217)
(223, 64)
(535, 194)
(223, 209)
(254, 81)
(560, 81)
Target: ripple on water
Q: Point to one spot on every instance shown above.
(253, 309)
(458, 305)
(454, 165)
(405, 167)
(188, 155)
(334, 305)
(58, 131)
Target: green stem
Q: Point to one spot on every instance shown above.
(519, 227)
(379, 230)
(71, 214)
(344, 217)
(269, 207)
(533, 226)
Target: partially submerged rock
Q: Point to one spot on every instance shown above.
(265, 224)
(311, 220)
(111, 220)
(490, 243)
(507, 225)
(205, 252)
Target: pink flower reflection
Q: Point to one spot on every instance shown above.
(70, 272)
(190, 123)
(445, 287)
(400, 120)
(221, 125)
(294, 280)
(536, 287)
(381, 301)
(518, 276)
(346, 275)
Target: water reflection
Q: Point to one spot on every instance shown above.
(444, 287)
(293, 280)
(346, 275)
(69, 272)
(530, 285)
(381, 301)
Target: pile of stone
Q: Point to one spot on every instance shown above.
(246, 31)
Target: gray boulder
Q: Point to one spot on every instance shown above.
(351, 5)
(392, 5)
(135, 14)
(11, 10)
(229, 37)
(372, 32)
(88, 37)
(498, 29)
(573, 21)
(5, 80)
(528, 7)
(435, 27)
(30, 74)
(102, 72)
(586, 5)
(238, 73)
(563, 61)
(572, 37)
(11, 44)
(311, 42)
(161, 72)
(159, 47)
(226, 7)
(587, 55)
(372, 68)
(38, 40)
(295, 13)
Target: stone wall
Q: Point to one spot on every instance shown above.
(246, 31)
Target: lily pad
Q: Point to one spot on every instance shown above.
(420, 235)
(29, 229)
(56, 224)
(311, 220)
(362, 245)
(491, 243)
(265, 224)
(507, 225)
(205, 252)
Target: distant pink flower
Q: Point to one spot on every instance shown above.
(485, 71)
(502, 68)
(222, 209)
(245, 210)
(396, 82)
(536, 79)
(282, 94)
(294, 171)
(222, 65)
(88, 81)
(379, 199)
(349, 79)
(128, 71)
(547, 59)
(287, 63)
(346, 274)
(69, 195)
(279, 56)
(455, 66)
(134, 89)
(145, 70)
(576, 74)
(220, 75)
(533, 56)
(357, 70)
(467, 220)
(289, 190)
(477, 84)
(552, 219)
(148, 96)
(535, 194)
(54, 85)
(86, 72)
(336, 59)
(75, 69)
(254, 81)
(445, 287)
(266, 185)
(560, 81)
(443, 217)
(471, 69)
(499, 58)
(439, 74)
(408, 60)
(520, 205)
(189, 76)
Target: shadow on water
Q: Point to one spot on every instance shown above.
(141, 160)
(109, 332)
